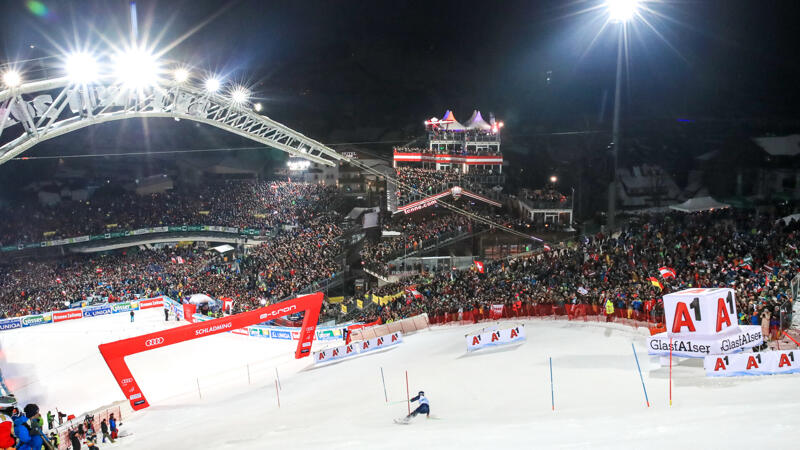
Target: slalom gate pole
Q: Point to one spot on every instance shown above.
(198, 388)
(277, 393)
(793, 340)
(248, 374)
(278, 378)
(408, 394)
(640, 375)
(384, 386)
(670, 372)
(552, 394)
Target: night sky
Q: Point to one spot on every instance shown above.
(353, 71)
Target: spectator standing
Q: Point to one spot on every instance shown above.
(131, 316)
(50, 420)
(74, 439)
(112, 423)
(7, 439)
(104, 430)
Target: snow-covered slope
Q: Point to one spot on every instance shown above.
(489, 399)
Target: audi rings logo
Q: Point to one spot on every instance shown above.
(154, 341)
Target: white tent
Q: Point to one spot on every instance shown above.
(223, 248)
(699, 204)
(788, 219)
(450, 123)
(476, 122)
(199, 299)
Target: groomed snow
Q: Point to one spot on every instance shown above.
(492, 398)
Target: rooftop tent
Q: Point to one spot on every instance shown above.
(476, 122)
(449, 122)
(780, 145)
(698, 204)
(223, 248)
(197, 299)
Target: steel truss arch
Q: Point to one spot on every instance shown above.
(42, 117)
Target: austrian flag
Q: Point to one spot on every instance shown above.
(666, 272)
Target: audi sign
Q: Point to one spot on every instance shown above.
(153, 342)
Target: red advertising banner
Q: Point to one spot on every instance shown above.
(188, 311)
(497, 311)
(151, 303)
(61, 316)
(114, 353)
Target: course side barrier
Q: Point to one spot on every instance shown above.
(583, 313)
(406, 326)
(86, 311)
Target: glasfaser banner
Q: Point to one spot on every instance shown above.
(493, 336)
(761, 363)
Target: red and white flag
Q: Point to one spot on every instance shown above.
(666, 272)
(479, 266)
(180, 260)
(546, 248)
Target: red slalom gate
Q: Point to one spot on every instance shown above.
(114, 353)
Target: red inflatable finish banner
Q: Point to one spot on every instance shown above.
(115, 352)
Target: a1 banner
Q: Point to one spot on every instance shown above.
(73, 314)
(761, 363)
(331, 354)
(495, 336)
(380, 342)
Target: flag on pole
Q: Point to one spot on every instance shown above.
(479, 266)
(666, 272)
(654, 281)
(546, 248)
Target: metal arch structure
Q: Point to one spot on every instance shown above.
(31, 106)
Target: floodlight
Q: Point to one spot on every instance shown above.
(81, 68)
(181, 75)
(258, 107)
(12, 78)
(553, 179)
(136, 68)
(213, 85)
(239, 95)
(622, 10)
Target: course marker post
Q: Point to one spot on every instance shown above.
(552, 394)
(647, 400)
(670, 372)
(198, 388)
(277, 393)
(278, 378)
(408, 394)
(384, 386)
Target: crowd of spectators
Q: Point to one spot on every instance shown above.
(466, 150)
(301, 250)
(750, 253)
(424, 182)
(415, 233)
(546, 198)
(252, 204)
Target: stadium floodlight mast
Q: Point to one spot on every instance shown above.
(12, 78)
(212, 85)
(239, 95)
(181, 75)
(620, 12)
(81, 68)
(136, 68)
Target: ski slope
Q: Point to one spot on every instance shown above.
(490, 398)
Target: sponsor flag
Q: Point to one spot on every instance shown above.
(479, 266)
(344, 309)
(666, 272)
(654, 281)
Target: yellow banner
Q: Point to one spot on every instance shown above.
(204, 213)
(360, 304)
(336, 299)
(112, 225)
(344, 309)
(49, 233)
